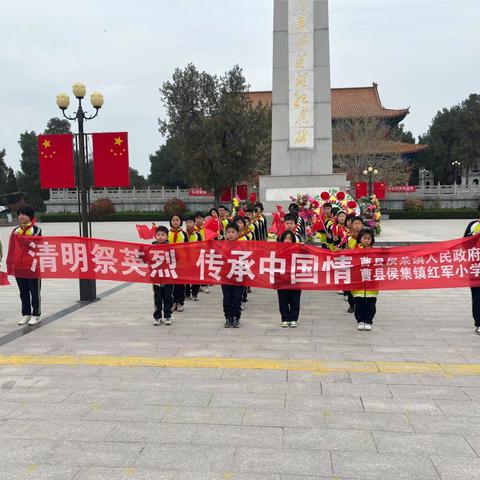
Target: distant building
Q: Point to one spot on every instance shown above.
(359, 103)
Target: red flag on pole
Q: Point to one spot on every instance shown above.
(110, 160)
(55, 153)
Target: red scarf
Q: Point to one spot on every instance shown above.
(23, 228)
(175, 231)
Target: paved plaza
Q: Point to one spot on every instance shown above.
(96, 392)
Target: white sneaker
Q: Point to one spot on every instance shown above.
(174, 308)
(285, 324)
(206, 289)
(477, 330)
(157, 322)
(35, 321)
(179, 308)
(168, 321)
(195, 299)
(293, 325)
(24, 320)
(361, 326)
(368, 327)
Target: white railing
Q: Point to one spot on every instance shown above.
(448, 189)
(126, 194)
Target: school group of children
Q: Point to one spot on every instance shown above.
(338, 231)
(249, 225)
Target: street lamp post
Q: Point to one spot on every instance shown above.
(88, 288)
(456, 166)
(370, 172)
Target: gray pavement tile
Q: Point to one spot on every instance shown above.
(68, 370)
(453, 408)
(22, 370)
(401, 405)
(457, 467)
(264, 375)
(208, 415)
(306, 388)
(473, 393)
(33, 394)
(457, 381)
(306, 376)
(107, 454)
(286, 461)
(384, 378)
(24, 452)
(183, 457)
(119, 413)
(38, 472)
(392, 422)
(421, 444)
(191, 372)
(139, 397)
(368, 466)
(48, 411)
(6, 408)
(283, 418)
(247, 400)
(457, 425)
(147, 432)
(432, 392)
(54, 429)
(324, 403)
(327, 439)
(233, 435)
(474, 442)
(362, 389)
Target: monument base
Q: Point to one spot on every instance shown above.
(277, 189)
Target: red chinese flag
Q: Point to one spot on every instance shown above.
(379, 190)
(110, 160)
(361, 189)
(55, 153)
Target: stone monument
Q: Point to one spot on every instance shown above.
(301, 104)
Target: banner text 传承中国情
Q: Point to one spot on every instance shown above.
(453, 263)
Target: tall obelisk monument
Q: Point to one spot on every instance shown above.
(301, 103)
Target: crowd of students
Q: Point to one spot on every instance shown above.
(338, 230)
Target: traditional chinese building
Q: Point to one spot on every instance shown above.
(361, 103)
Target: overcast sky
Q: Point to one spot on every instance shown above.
(423, 53)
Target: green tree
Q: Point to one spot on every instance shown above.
(3, 171)
(56, 126)
(453, 135)
(220, 138)
(166, 168)
(137, 180)
(399, 134)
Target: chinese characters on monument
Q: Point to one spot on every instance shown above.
(300, 84)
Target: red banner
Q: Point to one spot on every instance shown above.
(110, 160)
(402, 188)
(55, 153)
(455, 263)
(199, 192)
(361, 190)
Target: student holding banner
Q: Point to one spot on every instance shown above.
(473, 228)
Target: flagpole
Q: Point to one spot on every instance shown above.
(88, 288)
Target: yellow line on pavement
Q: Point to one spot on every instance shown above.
(317, 366)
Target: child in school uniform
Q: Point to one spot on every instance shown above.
(177, 235)
(191, 291)
(291, 225)
(162, 293)
(29, 287)
(356, 226)
(232, 294)
(289, 300)
(365, 300)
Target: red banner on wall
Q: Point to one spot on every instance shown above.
(402, 188)
(455, 263)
